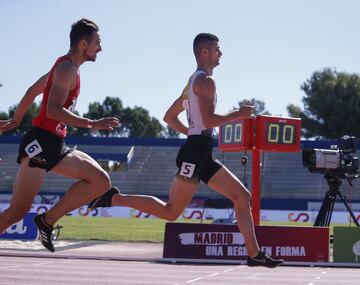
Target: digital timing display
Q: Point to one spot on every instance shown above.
(261, 133)
(232, 133)
(280, 133)
(237, 135)
(277, 133)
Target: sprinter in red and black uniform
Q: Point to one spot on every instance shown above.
(43, 148)
(49, 131)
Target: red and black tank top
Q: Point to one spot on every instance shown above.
(41, 120)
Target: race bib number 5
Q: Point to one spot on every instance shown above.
(33, 149)
(187, 169)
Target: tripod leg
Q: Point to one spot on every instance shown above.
(324, 216)
(348, 207)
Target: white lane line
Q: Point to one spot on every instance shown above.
(43, 263)
(214, 274)
(318, 277)
(194, 280)
(52, 262)
(11, 266)
(35, 264)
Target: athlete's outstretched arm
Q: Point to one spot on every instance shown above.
(204, 88)
(172, 116)
(35, 90)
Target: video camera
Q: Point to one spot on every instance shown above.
(338, 161)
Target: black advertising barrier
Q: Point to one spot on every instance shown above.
(225, 242)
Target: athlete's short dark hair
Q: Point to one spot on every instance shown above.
(203, 40)
(82, 29)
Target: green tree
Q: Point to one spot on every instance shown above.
(331, 105)
(259, 106)
(111, 107)
(294, 111)
(3, 116)
(134, 122)
(137, 122)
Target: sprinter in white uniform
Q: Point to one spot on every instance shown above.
(195, 161)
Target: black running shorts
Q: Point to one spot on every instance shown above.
(43, 148)
(195, 159)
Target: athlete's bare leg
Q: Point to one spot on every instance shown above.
(27, 183)
(231, 187)
(181, 193)
(93, 181)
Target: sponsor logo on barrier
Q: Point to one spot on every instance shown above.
(139, 214)
(192, 214)
(24, 229)
(18, 228)
(84, 211)
(356, 250)
(223, 241)
(299, 217)
(214, 242)
(213, 238)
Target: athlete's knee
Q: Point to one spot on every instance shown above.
(106, 180)
(240, 197)
(247, 196)
(102, 181)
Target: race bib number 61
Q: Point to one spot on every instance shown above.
(33, 149)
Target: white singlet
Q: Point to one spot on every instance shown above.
(191, 104)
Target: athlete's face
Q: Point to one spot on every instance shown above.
(93, 47)
(214, 54)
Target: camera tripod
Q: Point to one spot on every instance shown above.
(324, 216)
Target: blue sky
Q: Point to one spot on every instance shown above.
(269, 47)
